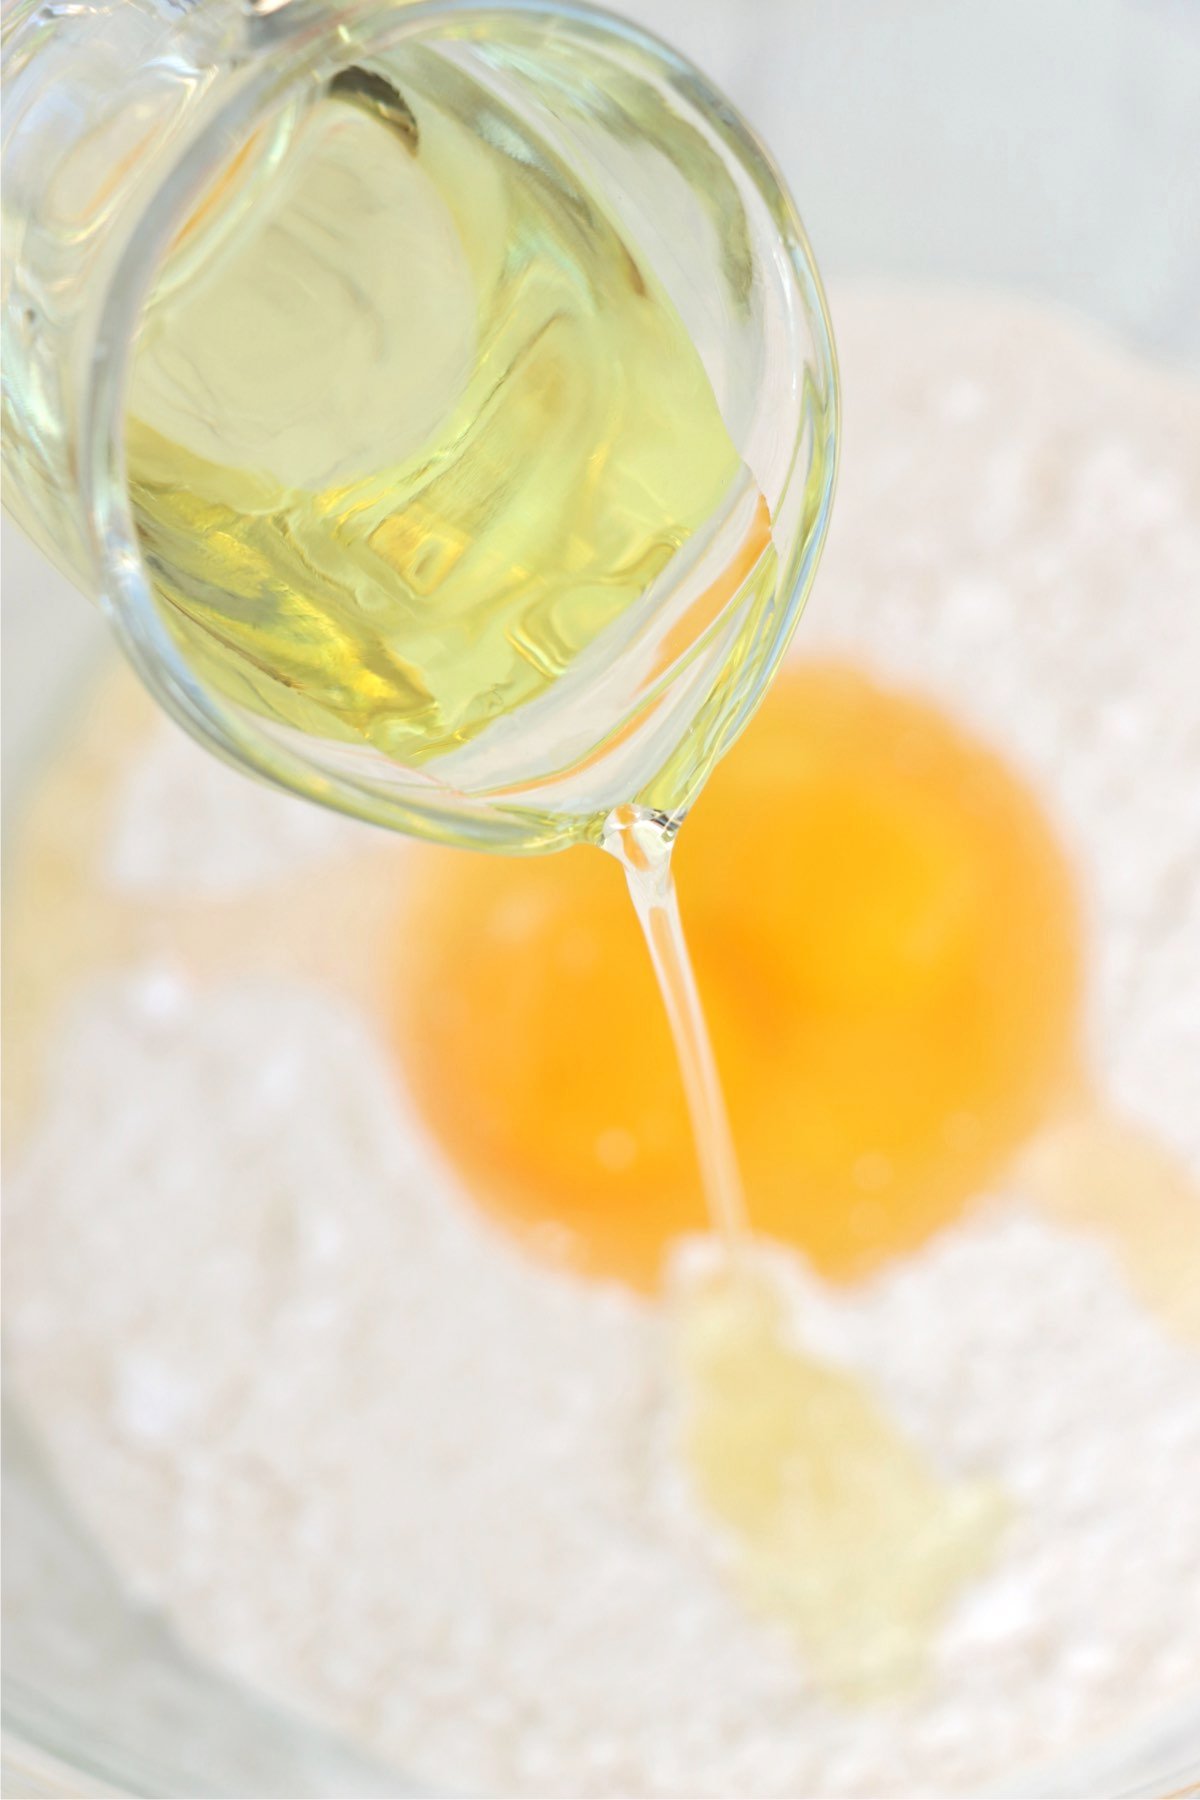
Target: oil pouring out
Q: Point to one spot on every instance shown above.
(833, 1521)
(503, 536)
(641, 841)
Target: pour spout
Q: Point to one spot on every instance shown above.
(641, 839)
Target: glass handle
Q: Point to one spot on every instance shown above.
(98, 100)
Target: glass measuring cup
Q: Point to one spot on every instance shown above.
(121, 123)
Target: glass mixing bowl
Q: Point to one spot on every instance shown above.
(1052, 151)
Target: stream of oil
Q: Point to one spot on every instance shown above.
(834, 1522)
(504, 437)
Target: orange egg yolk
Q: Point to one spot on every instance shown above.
(886, 942)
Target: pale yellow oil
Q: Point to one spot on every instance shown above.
(835, 1523)
(406, 436)
(838, 1525)
(413, 429)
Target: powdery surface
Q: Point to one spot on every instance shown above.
(376, 1464)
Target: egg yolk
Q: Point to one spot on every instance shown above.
(886, 943)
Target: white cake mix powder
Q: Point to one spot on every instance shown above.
(376, 1464)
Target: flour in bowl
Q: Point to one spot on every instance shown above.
(377, 1463)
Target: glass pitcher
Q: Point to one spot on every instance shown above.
(140, 136)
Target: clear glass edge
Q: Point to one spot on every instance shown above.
(125, 593)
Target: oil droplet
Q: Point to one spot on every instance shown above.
(836, 1525)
